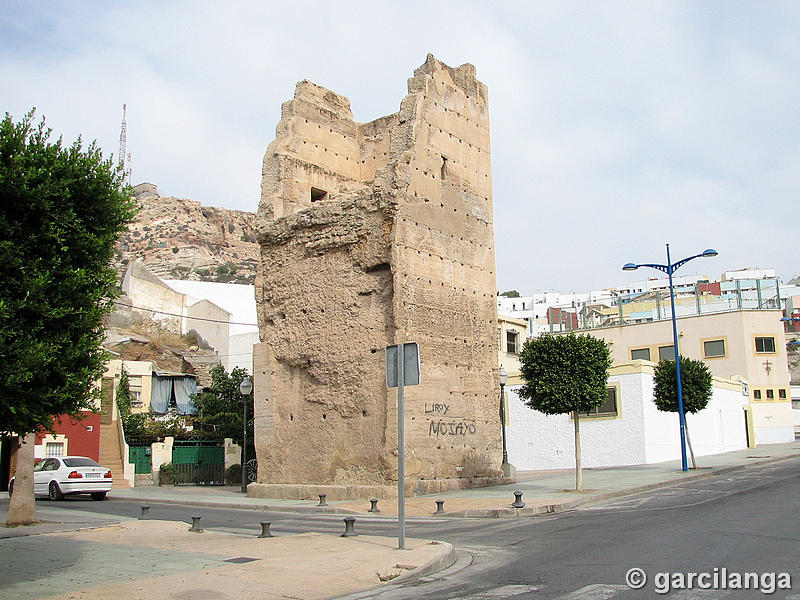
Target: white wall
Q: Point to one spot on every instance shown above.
(537, 441)
(719, 428)
(211, 323)
(640, 434)
(240, 351)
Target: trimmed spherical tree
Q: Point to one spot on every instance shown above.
(565, 374)
(696, 386)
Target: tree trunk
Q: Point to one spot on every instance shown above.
(689, 440)
(578, 472)
(22, 506)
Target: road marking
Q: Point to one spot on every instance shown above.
(620, 504)
(506, 591)
(596, 591)
(699, 594)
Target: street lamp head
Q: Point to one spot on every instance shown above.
(630, 267)
(246, 386)
(503, 376)
(709, 253)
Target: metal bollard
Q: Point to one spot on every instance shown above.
(145, 512)
(518, 503)
(196, 525)
(349, 527)
(265, 530)
(322, 500)
(374, 506)
(439, 507)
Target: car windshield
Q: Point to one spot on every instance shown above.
(80, 461)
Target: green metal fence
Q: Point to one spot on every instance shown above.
(199, 462)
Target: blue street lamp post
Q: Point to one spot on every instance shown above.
(669, 269)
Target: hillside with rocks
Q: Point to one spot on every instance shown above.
(179, 238)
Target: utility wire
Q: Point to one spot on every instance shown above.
(161, 312)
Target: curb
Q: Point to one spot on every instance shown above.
(432, 566)
(48, 528)
(495, 513)
(263, 507)
(480, 513)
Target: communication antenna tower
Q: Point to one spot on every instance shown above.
(124, 157)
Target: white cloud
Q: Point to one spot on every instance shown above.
(616, 127)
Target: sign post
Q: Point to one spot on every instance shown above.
(402, 368)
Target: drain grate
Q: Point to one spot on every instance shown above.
(240, 559)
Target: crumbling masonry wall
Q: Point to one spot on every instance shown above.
(374, 234)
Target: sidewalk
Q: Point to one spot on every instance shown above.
(543, 491)
(92, 558)
(157, 559)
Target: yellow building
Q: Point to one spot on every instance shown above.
(153, 390)
(750, 344)
(511, 335)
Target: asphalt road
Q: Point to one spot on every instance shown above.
(723, 526)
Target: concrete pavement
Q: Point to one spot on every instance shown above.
(543, 491)
(163, 559)
(81, 556)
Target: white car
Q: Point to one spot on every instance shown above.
(58, 476)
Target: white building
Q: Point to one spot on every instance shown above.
(626, 430)
(223, 315)
(235, 345)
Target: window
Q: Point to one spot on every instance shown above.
(135, 388)
(512, 345)
(756, 394)
(782, 394)
(640, 353)
(770, 394)
(666, 353)
(714, 348)
(54, 449)
(765, 344)
(607, 408)
(796, 404)
(318, 194)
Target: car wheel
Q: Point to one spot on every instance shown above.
(10, 488)
(54, 492)
(98, 495)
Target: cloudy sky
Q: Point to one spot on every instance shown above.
(616, 126)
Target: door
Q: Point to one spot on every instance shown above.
(41, 475)
(141, 457)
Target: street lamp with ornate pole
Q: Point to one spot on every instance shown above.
(669, 269)
(503, 378)
(245, 388)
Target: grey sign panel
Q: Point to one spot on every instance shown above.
(410, 357)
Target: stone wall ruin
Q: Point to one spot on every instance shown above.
(373, 234)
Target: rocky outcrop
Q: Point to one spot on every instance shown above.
(181, 239)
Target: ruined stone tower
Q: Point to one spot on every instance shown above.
(373, 234)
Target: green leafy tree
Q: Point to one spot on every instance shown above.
(696, 383)
(220, 408)
(511, 294)
(133, 424)
(124, 395)
(61, 211)
(565, 374)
